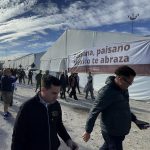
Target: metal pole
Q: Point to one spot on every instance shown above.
(132, 18)
(132, 26)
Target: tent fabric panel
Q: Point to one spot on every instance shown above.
(58, 50)
(31, 59)
(76, 40)
(37, 59)
(45, 65)
(139, 90)
(103, 38)
(55, 65)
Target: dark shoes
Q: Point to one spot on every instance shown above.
(75, 98)
(6, 115)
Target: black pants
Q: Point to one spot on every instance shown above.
(29, 80)
(23, 79)
(91, 92)
(63, 92)
(38, 85)
(73, 93)
(112, 142)
(78, 88)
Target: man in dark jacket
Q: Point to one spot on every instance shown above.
(7, 90)
(64, 82)
(38, 78)
(39, 121)
(113, 103)
(30, 74)
(73, 85)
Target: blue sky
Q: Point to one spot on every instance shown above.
(31, 26)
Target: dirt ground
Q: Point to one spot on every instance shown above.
(137, 139)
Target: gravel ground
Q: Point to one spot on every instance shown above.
(74, 117)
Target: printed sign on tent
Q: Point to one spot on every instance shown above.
(106, 58)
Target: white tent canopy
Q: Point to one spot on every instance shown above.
(73, 41)
(25, 61)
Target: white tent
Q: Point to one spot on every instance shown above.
(72, 41)
(25, 61)
(8, 63)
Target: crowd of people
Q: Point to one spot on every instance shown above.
(71, 84)
(8, 78)
(39, 120)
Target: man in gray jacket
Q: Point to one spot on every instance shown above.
(113, 103)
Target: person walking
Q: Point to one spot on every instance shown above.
(73, 85)
(38, 78)
(7, 90)
(89, 86)
(78, 80)
(113, 104)
(39, 121)
(64, 82)
(23, 75)
(46, 73)
(30, 74)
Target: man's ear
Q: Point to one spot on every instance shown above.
(43, 89)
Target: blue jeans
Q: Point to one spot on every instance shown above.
(112, 142)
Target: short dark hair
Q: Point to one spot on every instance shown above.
(125, 71)
(49, 80)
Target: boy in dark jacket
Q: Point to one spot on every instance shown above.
(39, 121)
(113, 103)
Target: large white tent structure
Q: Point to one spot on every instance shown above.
(25, 61)
(1, 64)
(73, 41)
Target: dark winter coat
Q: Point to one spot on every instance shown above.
(38, 77)
(37, 126)
(113, 104)
(7, 83)
(63, 80)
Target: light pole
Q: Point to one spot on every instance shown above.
(6, 54)
(132, 18)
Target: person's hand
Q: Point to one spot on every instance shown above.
(86, 136)
(72, 145)
(142, 124)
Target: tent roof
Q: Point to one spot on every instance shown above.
(72, 41)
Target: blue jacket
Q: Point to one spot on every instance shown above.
(7, 83)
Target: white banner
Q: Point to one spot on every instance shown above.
(129, 53)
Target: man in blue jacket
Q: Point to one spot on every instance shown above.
(7, 90)
(39, 121)
(113, 104)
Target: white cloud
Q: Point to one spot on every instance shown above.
(36, 45)
(14, 55)
(12, 8)
(143, 30)
(96, 13)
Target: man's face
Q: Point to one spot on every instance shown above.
(50, 94)
(125, 82)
